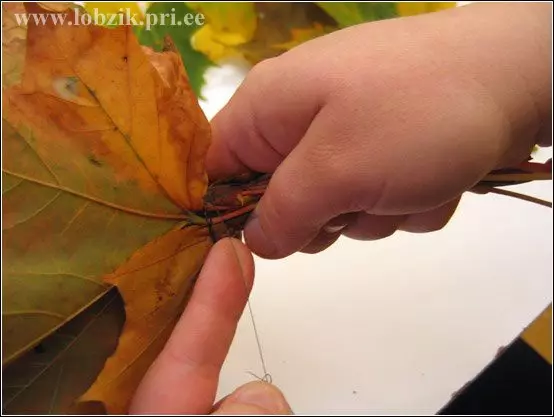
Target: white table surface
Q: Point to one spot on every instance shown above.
(397, 325)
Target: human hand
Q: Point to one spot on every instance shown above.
(184, 377)
(383, 126)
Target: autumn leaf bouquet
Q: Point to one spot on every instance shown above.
(106, 207)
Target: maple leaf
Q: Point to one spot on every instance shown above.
(103, 163)
(103, 175)
(196, 63)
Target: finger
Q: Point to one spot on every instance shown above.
(329, 233)
(372, 227)
(255, 398)
(430, 221)
(184, 377)
(264, 120)
(321, 242)
(317, 182)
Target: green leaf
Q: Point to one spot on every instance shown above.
(195, 62)
(57, 236)
(348, 14)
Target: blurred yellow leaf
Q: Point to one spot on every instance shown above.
(231, 23)
(227, 25)
(414, 8)
(206, 41)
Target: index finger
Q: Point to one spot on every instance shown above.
(184, 377)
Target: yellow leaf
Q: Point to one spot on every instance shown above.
(415, 8)
(162, 273)
(538, 334)
(231, 23)
(227, 25)
(206, 42)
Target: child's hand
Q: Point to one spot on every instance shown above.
(383, 126)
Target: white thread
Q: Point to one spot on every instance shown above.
(267, 376)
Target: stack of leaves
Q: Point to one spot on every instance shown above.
(254, 31)
(103, 176)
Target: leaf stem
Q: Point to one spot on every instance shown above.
(253, 192)
(519, 177)
(233, 214)
(519, 196)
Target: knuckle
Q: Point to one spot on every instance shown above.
(260, 74)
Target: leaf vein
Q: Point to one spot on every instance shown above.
(13, 187)
(128, 210)
(47, 274)
(143, 267)
(33, 313)
(36, 213)
(40, 158)
(75, 216)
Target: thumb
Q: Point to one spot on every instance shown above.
(254, 398)
(277, 122)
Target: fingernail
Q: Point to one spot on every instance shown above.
(334, 229)
(263, 395)
(240, 261)
(256, 238)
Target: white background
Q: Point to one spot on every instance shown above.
(397, 325)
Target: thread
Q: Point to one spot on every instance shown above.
(266, 375)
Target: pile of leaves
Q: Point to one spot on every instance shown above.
(104, 221)
(107, 211)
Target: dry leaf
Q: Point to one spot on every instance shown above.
(195, 62)
(154, 284)
(13, 44)
(50, 377)
(284, 24)
(103, 153)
